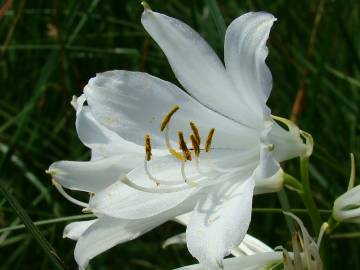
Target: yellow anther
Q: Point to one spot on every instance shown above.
(177, 155)
(148, 147)
(209, 139)
(195, 145)
(195, 131)
(167, 118)
(183, 146)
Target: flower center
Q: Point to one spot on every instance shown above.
(183, 154)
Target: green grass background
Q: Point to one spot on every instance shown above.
(314, 44)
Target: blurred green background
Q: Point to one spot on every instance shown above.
(50, 49)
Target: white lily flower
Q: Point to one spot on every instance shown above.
(305, 255)
(347, 206)
(235, 147)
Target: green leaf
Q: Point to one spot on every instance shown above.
(217, 18)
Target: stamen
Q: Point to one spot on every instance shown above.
(187, 180)
(183, 147)
(195, 145)
(167, 117)
(170, 148)
(195, 131)
(67, 196)
(209, 139)
(148, 147)
(164, 127)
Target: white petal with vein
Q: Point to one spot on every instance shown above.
(197, 67)
(108, 232)
(93, 176)
(134, 103)
(102, 141)
(253, 262)
(245, 53)
(219, 222)
(75, 229)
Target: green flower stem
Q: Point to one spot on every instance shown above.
(345, 235)
(295, 211)
(49, 221)
(292, 183)
(333, 224)
(307, 195)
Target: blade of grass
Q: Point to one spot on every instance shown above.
(15, 255)
(217, 18)
(29, 175)
(45, 245)
(82, 21)
(284, 202)
(15, 239)
(5, 191)
(48, 221)
(343, 76)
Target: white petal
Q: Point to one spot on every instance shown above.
(268, 174)
(108, 232)
(122, 201)
(183, 219)
(75, 229)
(250, 246)
(197, 67)
(93, 176)
(101, 140)
(219, 222)
(253, 262)
(268, 165)
(347, 206)
(174, 240)
(134, 103)
(288, 144)
(245, 52)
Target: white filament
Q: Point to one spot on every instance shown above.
(68, 197)
(167, 139)
(131, 184)
(159, 181)
(187, 180)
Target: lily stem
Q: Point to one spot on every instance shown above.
(292, 183)
(307, 195)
